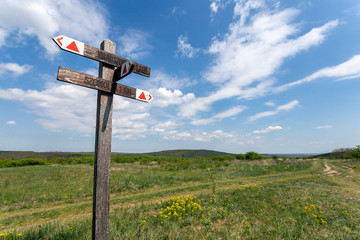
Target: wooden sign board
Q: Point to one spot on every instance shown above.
(85, 80)
(82, 49)
(107, 86)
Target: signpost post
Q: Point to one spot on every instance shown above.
(106, 86)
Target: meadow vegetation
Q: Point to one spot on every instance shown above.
(218, 197)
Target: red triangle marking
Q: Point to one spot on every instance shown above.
(125, 70)
(72, 46)
(142, 96)
(150, 97)
(58, 40)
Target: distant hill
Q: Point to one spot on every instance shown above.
(168, 153)
(47, 155)
(180, 153)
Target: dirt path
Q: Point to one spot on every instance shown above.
(328, 171)
(349, 168)
(80, 210)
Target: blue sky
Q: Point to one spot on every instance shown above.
(227, 75)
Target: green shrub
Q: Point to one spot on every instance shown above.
(223, 158)
(22, 162)
(124, 159)
(240, 156)
(253, 156)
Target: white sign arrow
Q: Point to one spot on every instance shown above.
(69, 44)
(143, 95)
(125, 68)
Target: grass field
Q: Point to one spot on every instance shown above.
(264, 199)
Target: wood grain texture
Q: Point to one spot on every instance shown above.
(85, 80)
(114, 60)
(101, 196)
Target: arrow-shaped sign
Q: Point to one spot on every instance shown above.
(125, 69)
(80, 48)
(85, 80)
(70, 44)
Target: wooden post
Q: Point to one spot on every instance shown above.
(101, 196)
(106, 86)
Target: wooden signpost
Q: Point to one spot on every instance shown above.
(80, 48)
(106, 85)
(85, 80)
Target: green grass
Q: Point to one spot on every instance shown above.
(293, 199)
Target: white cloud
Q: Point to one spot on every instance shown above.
(286, 107)
(265, 38)
(215, 5)
(62, 107)
(268, 129)
(195, 135)
(132, 126)
(184, 48)
(160, 79)
(13, 68)
(164, 127)
(134, 44)
(262, 114)
(164, 97)
(218, 117)
(270, 103)
(45, 19)
(3, 35)
(59, 106)
(324, 127)
(10, 123)
(346, 70)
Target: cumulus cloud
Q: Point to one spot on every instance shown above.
(134, 44)
(195, 135)
(59, 106)
(11, 122)
(286, 107)
(214, 7)
(132, 126)
(14, 69)
(45, 19)
(164, 127)
(164, 97)
(62, 107)
(185, 49)
(268, 129)
(216, 4)
(265, 38)
(67, 107)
